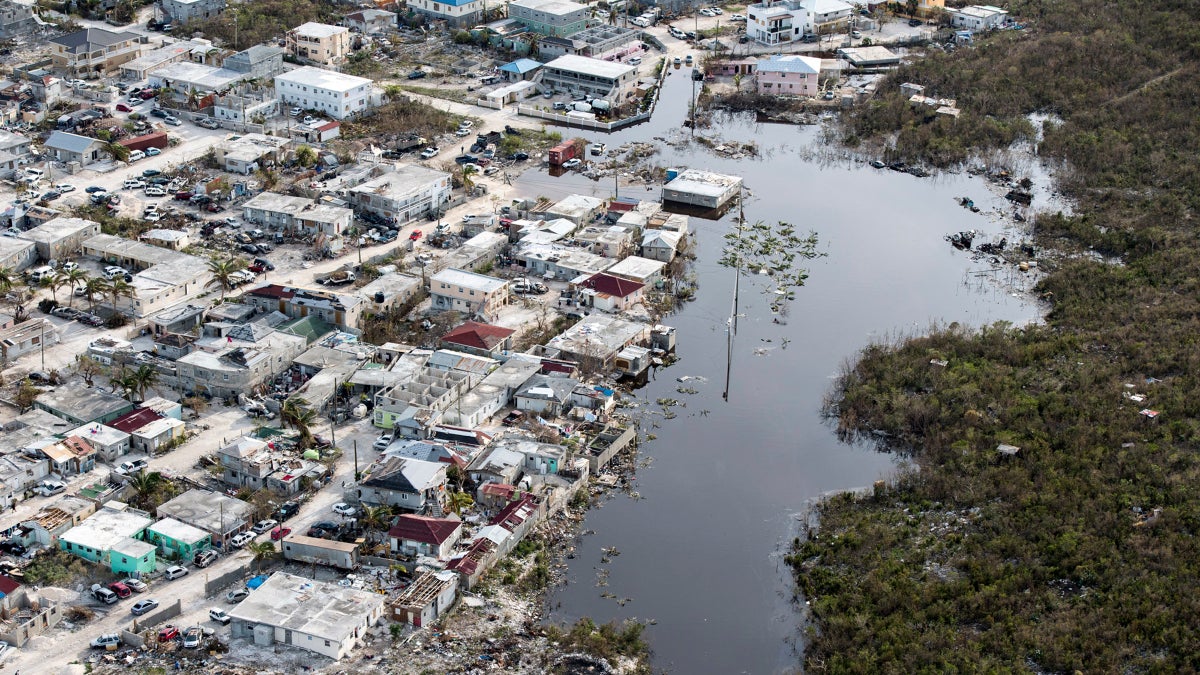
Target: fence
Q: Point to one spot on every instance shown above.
(212, 586)
(485, 103)
(150, 620)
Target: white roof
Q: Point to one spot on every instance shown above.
(319, 30)
(479, 282)
(323, 79)
(556, 7)
(179, 531)
(106, 528)
(828, 6)
(790, 63)
(589, 66)
(309, 607)
(197, 75)
(637, 267)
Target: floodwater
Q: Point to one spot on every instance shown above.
(721, 487)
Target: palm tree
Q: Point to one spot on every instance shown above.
(117, 289)
(376, 518)
(10, 282)
(459, 501)
(263, 551)
(467, 172)
(296, 413)
(223, 271)
(119, 152)
(121, 378)
(93, 288)
(72, 278)
(142, 379)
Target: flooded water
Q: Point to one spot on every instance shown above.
(721, 486)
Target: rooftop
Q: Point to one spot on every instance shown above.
(206, 509)
(328, 611)
(81, 403)
(704, 182)
(636, 267)
(401, 181)
(197, 75)
(521, 66)
(424, 528)
(478, 335)
(91, 39)
(790, 63)
(61, 140)
(465, 279)
(318, 30)
(405, 475)
(277, 203)
(598, 330)
(558, 7)
(323, 79)
(134, 420)
(610, 285)
(582, 64)
(105, 528)
(179, 531)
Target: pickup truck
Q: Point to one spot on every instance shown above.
(339, 277)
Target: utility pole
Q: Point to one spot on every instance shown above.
(333, 413)
(356, 460)
(42, 343)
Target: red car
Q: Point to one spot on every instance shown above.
(120, 589)
(279, 533)
(124, 108)
(167, 633)
(147, 94)
(415, 235)
(183, 196)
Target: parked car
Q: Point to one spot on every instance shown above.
(429, 152)
(51, 195)
(513, 418)
(344, 509)
(173, 121)
(142, 606)
(167, 633)
(279, 533)
(155, 191)
(153, 152)
(137, 585)
(131, 467)
(263, 526)
(192, 637)
(294, 112)
(416, 75)
(136, 155)
(64, 188)
(572, 163)
(175, 571)
(109, 641)
(416, 234)
(121, 107)
(92, 189)
(50, 487)
(219, 616)
(236, 596)
(112, 272)
(914, 22)
(205, 558)
(103, 594)
(265, 263)
(286, 510)
(159, 112)
(242, 539)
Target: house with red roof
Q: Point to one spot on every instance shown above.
(609, 293)
(481, 339)
(415, 535)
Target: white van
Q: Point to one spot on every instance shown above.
(37, 274)
(36, 173)
(136, 155)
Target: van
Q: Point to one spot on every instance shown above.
(39, 274)
(36, 173)
(136, 155)
(103, 594)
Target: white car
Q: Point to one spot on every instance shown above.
(136, 585)
(68, 266)
(737, 17)
(136, 155)
(383, 442)
(64, 188)
(107, 641)
(264, 525)
(241, 539)
(133, 183)
(155, 191)
(429, 153)
(112, 271)
(344, 509)
(462, 132)
(219, 616)
(466, 124)
(572, 163)
(132, 467)
(707, 12)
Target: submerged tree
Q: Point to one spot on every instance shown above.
(774, 251)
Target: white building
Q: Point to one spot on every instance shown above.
(778, 21)
(456, 13)
(554, 18)
(187, 78)
(469, 293)
(319, 42)
(328, 619)
(186, 10)
(405, 193)
(335, 94)
(977, 17)
(297, 214)
(603, 79)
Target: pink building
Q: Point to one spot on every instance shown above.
(789, 75)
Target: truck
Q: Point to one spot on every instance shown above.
(408, 143)
(339, 277)
(314, 551)
(562, 152)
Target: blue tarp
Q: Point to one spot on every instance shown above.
(257, 581)
(521, 66)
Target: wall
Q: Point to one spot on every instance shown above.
(164, 612)
(212, 586)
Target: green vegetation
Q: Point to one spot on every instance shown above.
(609, 641)
(1057, 558)
(402, 116)
(261, 22)
(55, 567)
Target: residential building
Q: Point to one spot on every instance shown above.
(162, 277)
(158, 434)
(14, 147)
(319, 42)
(930, 8)
(607, 80)
(775, 21)
(53, 520)
(637, 268)
(414, 535)
(545, 395)
(579, 209)
(82, 406)
(248, 153)
(788, 75)
(491, 395)
(339, 309)
(182, 11)
(407, 192)
(61, 238)
(246, 102)
(112, 535)
(176, 240)
(552, 261)
(260, 62)
(94, 50)
(826, 16)
(219, 515)
(609, 43)
(428, 597)
(390, 292)
(521, 70)
(595, 341)
(110, 444)
(243, 359)
(371, 21)
(338, 95)
(496, 464)
(978, 17)
(555, 18)
(70, 456)
(28, 336)
(456, 13)
(16, 19)
(661, 245)
(416, 404)
(67, 148)
(701, 188)
(475, 295)
(609, 293)
(17, 254)
(189, 81)
(177, 540)
(246, 463)
(481, 339)
(140, 68)
(297, 215)
(410, 484)
(328, 619)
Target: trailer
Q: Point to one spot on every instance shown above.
(316, 551)
(562, 152)
(155, 140)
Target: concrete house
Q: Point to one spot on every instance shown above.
(607, 80)
(55, 519)
(555, 18)
(94, 50)
(176, 540)
(319, 42)
(186, 10)
(16, 255)
(579, 209)
(248, 153)
(239, 361)
(61, 238)
(109, 443)
(496, 464)
(456, 13)
(260, 62)
(428, 597)
(219, 515)
(406, 193)
(788, 75)
(112, 535)
(369, 21)
(246, 463)
(414, 535)
(545, 396)
(327, 619)
(16, 18)
(609, 293)
(977, 17)
(477, 338)
(595, 341)
(70, 456)
(67, 148)
(339, 95)
(639, 269)
(410, 484)
(28, 336)
(475, 295)
(661, 245)
(82, 406)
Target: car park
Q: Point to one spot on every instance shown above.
(219, 616)
(142, 606)
(175, 571)
(136, 585)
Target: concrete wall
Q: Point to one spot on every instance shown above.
(215, 585)
(164, 612)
